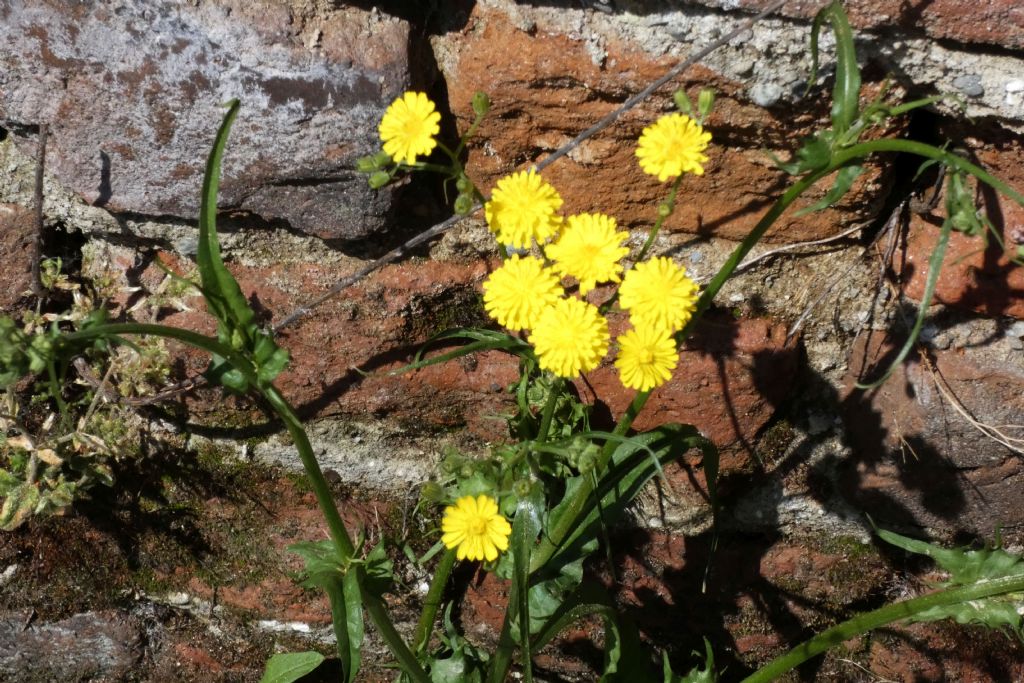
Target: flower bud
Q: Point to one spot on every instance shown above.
(432, 492)
(664, 210)
(521, 488)
(463, 204)
(366, 164)
(705, 101)
(682, 102)
(481, 103)
(379, 180)
(382, 159)
(463, 184)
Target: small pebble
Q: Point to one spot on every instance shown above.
(1016, 85)
(969, 84)
(765, 94)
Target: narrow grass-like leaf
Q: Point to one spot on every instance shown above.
(846, 92)
(697, 674)
(842, 185)
(484, 340)
(223, 295)
(291, 666)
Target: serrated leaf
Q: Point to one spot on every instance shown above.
(844, 181)
(289, 667)
(966, 568)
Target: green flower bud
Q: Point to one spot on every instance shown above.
(463, 204)
(664, 210)
(466, 471)
(379, 180)
(705, 101)
(432, 492)
(481, 103)
(366, 164)
(682, 102)
(382, 159)
(463, 184)
(521, 488)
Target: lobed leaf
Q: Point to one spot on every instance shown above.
(966, 568)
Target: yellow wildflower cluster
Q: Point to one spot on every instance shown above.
(570, 335)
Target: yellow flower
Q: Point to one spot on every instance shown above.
(671, 146)
(570, 337)
(517, 293)
(589, 250)
(409, 126)
(657, 293)
(474, 526)
(522, 208)
(647, 356)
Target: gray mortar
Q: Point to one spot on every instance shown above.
(772, 60)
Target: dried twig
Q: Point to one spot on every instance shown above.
(37, 240)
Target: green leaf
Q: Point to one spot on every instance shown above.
(631, 468)
(292, 666)
(842, 185)
(966, 568)
(224, 297)
(846, 91)
(525, 527)
(697, 674)
(8, 482)
(347, 614)
(18, 506)
(484, 340)
(813, 155)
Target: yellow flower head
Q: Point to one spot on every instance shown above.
(474, 526)
(570, 337)
(522, 208)
(517, 293)
(647, 356)
(409, 126)
(671, 146)
(589, 250)
(657, 293)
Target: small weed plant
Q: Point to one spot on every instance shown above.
(533, 510)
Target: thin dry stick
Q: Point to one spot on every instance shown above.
(606, 121)
(991, 431)
(37, 241)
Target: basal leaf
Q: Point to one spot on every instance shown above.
(966, 568)
(289, 667)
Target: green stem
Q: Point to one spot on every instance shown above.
(324, 497)
(670, 203)
(336, 527)
(549, 410)
(502, 661)
(878, 618)
(550, 542)
(863, 149)
(432, 602)
(378, 613)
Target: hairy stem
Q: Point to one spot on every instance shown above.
(432, 602)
